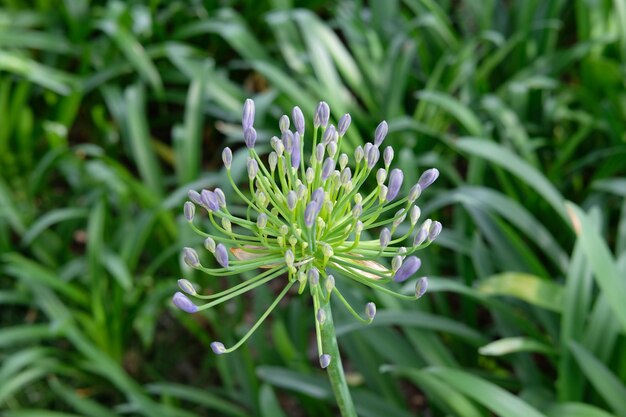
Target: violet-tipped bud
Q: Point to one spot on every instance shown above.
(247, 119)
(209, 244)
(325, 360)
(287, 141)
(327, 168)
(358, 227)
(181, 301)
(381, 133)
(272, 159)
(321, 316)
(195, 197)
(388, 156)
(372, 157)
(289, 258)
(329, 284)
(329, 135)
(227, 157)
(249, 137)
(344, 124)
(295, 152)
(346, 175)
(370, 310)
(421, 286)
(396, 262)
(261, 221)
(318, 196)
(189, 209)
(298, 120)
(218, 348)
(399, 217)
(310, 213)
(414, 193)
(209, 200)
(331, 148)
(434, 230)
(314, 277)
(357, 210)
(319, 152)
(395, 182)
(408, 268)
(283, 123)
(385, 238)
(190, 256)
(253, 168)
(186, 286)
(221, 255)
(221, 197)
(428, 177)
(322, 114)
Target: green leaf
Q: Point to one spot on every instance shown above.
(576, 410)
(529, 288)
(514, 344)
(268, 403)
(49, 219)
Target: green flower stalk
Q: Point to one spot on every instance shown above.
(309, 226)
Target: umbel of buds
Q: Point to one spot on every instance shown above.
(304, 220)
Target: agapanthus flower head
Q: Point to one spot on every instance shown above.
(314, 225)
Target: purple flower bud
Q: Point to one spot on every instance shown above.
(388, 156)
(420, 236)
(209, 200)
(298, 120)
(434, 230)
(189, 210)
(283, 123)
(292, 200)
(372, 157)
(218, 348)
(221, 197)
(314, 277)
(346, 175)
(399, 217)
(366, 148)
(381, 132)
(227, 157)
(370, 310)
(385, 237)
(414, 193)
(428, 177)
(190, 256)
(395, 182)
(253, 168)
(181, 301)
(295, 153)
(186, 286)
(247, 119)
(221, 255)
(249, 137)
(318, 196)
(287, 139)
(310, 213)
(357, 210)
(289, 258)
(325, 360)
(421, 286)
(408, 268)
(322, 114)
(319, 152)
(194, 196)
(344, 124)
(329, 135)
(328, 168)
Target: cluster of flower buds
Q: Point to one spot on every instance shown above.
(306, 222)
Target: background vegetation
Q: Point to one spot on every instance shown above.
(111, 110)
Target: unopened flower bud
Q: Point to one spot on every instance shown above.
(395, 182)
(319, 152)
(301, 191)
(382, 194)
(273, 160)
(421, 286)
(329, 135)
(283, 229)
(385, 237)
(310, 213)
(428, 177)
(292, 200)
(283, 123)
(346, 175)
(357, 210)
(322, 114)
(314, 277)
(358, 227)
(226, 225)
(253, 168)
(289, 258)
(372, 157)
(414, 193)
(381, 176)
(186, 286)
(359, 154)
(221, 255)
(434, 230)
(209, 244)
(221, 197)
(321, 315)
(295, 153)
(331, 148)
(190, 256)
(381, 133)
(343, 160)
(408, 268)
(249, 137)
(195, 197)
(298, 120)
(189, 209)
(396, 262)
(327, 168)
(325, 360)
(287, 140)
(227, 157)
(181, 301)
(415, 215)
(388, 156)
(327, 250)
(218, 348)
(399, 217)
(209, 200)
(358, 198)
(370, 310)
(247, 119)
(329, 284)
(261, 221)
(344, 124)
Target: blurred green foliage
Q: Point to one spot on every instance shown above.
(111, 110)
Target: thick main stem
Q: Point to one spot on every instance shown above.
(335, 369)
